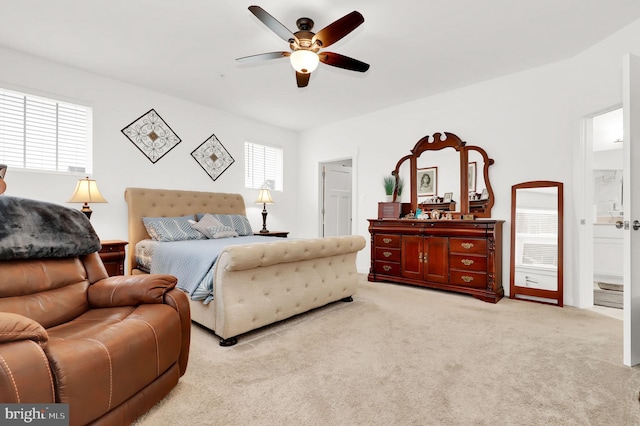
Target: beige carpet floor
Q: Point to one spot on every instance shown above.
(401, 355)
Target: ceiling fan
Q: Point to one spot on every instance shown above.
(305, 45)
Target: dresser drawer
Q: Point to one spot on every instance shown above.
(468, 245)
(387, 268)
(468, 278)
(388, 254)
(387, 240)
(468, 262)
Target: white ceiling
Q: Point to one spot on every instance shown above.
(416, 48)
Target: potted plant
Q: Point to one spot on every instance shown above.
(400, 186)
(389, 186)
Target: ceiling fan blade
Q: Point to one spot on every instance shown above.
(340, 28)
(302, 79)
(263, 57)
(273, 24)
(341, 61)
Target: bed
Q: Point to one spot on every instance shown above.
(253, 284)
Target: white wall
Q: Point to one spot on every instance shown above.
(119, 164)
(610, 159)
(529, 123)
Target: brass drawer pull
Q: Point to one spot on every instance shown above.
(387, 240)
(467, 279)
(386, 268)
(387, 253)
(467, 262)
(467, 245)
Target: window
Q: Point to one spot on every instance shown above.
(263, 166)
(44, 134)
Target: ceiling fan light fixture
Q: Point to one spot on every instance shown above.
(304, 61)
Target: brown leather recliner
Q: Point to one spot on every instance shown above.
(110, 347)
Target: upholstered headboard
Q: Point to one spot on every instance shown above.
(145, 202)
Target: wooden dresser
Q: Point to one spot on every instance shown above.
(464, 256)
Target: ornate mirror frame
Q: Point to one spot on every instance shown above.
(479, 208)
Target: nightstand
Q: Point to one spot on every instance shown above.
(281, 234)
(112, 254)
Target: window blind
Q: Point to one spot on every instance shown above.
(538, 232)
(263, 166)
(44, 134)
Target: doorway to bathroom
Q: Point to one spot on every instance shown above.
(607, 209)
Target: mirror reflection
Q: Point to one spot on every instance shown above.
(437, 178)
(536, 249)
(404, 173)
(477, 187)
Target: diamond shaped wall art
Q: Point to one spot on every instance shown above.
(212, 157)
(151, 135)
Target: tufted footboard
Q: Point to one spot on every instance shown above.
(260, 284)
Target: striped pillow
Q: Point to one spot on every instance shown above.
(236, 221)
(171, 229)
(222, 232)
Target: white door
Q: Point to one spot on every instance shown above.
(336, 209)
(631, 107)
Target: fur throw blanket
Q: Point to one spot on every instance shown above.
(31, 229)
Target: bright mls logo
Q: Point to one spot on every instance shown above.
(35, 414)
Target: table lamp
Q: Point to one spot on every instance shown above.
(264, 197)
(87, 192)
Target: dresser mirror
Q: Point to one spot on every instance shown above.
(537, 242)
(437, 174)
(443, 173)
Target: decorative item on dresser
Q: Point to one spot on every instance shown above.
(112, 255)
(389, 210)
(441, 248)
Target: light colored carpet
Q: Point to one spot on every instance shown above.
(401, 355)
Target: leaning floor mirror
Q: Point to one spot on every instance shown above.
(536, 242)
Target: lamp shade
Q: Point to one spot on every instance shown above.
(304, 61)
(86, 192)
(264, 197)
